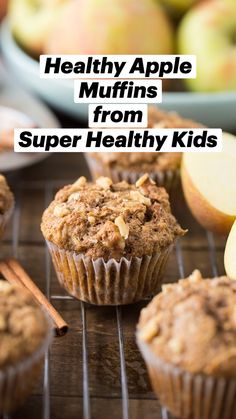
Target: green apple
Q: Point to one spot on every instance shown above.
(31, 21)
(208, 31)
(111, 27)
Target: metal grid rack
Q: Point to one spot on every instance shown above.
(48, 189)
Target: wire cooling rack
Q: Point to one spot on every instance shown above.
(15, 242)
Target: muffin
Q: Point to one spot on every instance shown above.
(25, 334)
(187, 336)
(110, 242)
(6, 203)
(162, 167)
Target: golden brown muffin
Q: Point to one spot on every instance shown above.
(24, 337)
(23, 325)
(189, 331)
(109, 221)
(162, 167)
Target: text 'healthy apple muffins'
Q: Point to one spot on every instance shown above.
(6, 204)
(187, 336)
(162, 167)
(25, 335)
(110, 242)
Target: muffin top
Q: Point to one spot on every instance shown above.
(192, 324)
(154, 161)
(6, 196)
(109, 220)
(23, 325)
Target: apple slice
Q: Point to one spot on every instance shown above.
(230, 253)
(209, 184)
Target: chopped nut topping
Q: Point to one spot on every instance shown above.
(61, 211)
(104, 182)
(195, 276)
(142, 180)
(91, 219)
(81, 181)
(123, 228)
(92, 214)
(78, 184)
(74, 196)
(197, 325)
(23, 325)
(137, 196)
(150, 330)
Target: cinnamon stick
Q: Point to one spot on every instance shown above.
(15, 274)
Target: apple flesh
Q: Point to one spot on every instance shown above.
(208, 31)
(209, 186)
(230, 253)
(31, 21)
(111, 27)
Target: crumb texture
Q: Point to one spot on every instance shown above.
(111, 220)
(150, 162)
(6, 196)
(23, 326)
(192, 324)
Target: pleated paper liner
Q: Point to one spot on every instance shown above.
(17, 381)
(169, 179)
(187, 395)
(109, 282)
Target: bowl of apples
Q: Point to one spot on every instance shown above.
(206, 28)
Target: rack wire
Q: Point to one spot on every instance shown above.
(46, 409)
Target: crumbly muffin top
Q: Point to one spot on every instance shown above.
(192, 324)
(6, 196)
(149, 162)
(23, 325)
(109, 220)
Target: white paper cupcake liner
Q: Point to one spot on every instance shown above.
(169, 179)
(187, 395)
(112, 282)
(17, 381)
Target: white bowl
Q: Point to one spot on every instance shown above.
(212, 109)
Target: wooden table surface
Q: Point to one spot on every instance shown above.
(34, 187)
